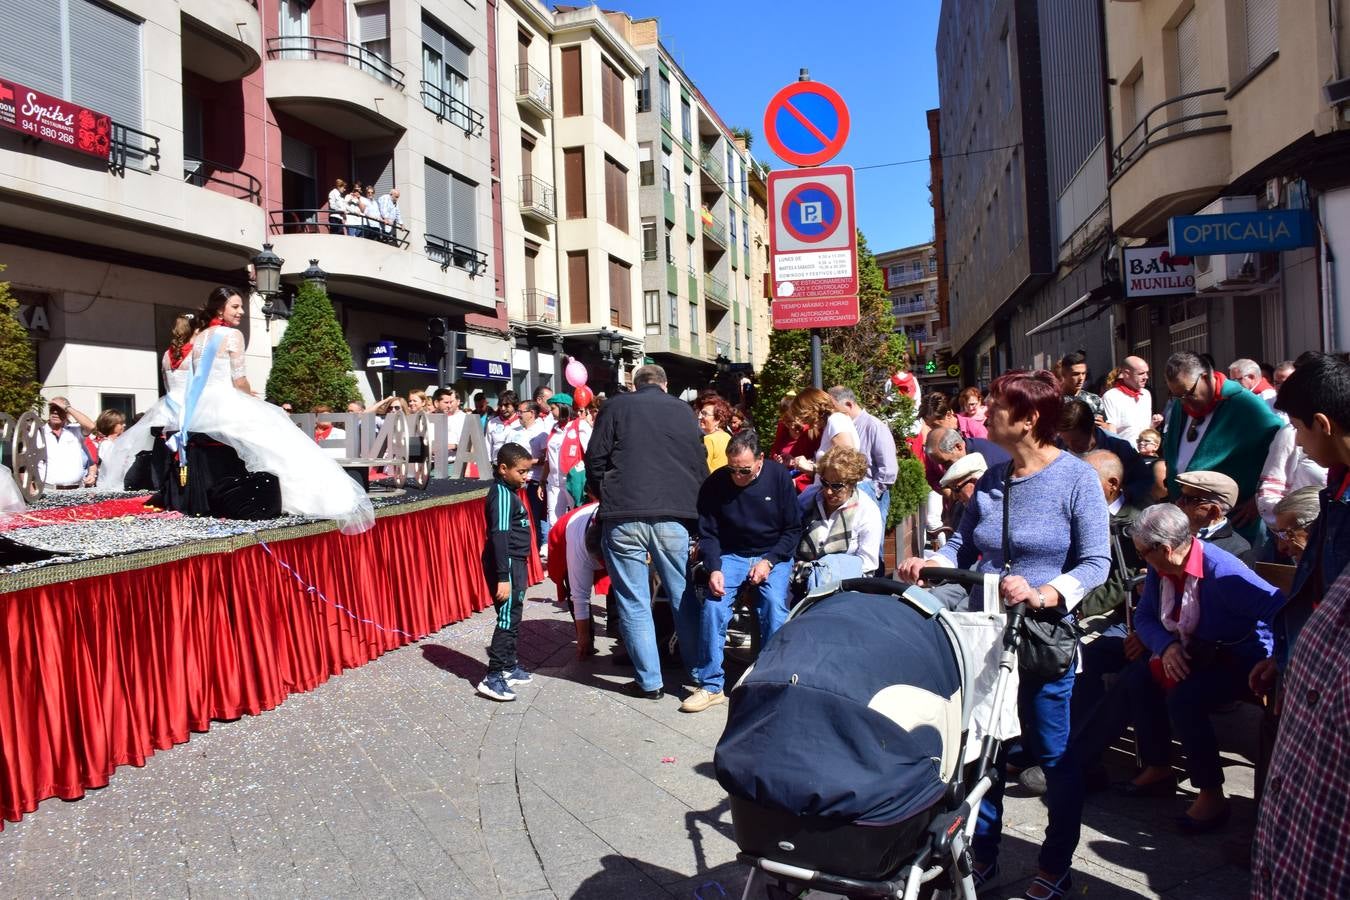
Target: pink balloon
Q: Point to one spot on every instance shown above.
(575, 373)
(582, 397)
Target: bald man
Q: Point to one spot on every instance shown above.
(1128, 404)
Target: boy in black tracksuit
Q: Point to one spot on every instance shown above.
(504, 555)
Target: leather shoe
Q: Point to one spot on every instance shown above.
(1165, 788)
(1189, 825)
(633, 689)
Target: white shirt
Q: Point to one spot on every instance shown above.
(1128, 416)
(454, 429)
(498, 435)
(864, 541)
(65, 457)
(337, 205)
(554, 450)
(580, 566)
(836, 424)
(1287, 468)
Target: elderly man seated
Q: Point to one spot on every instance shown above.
(748, 525)
(944, 446)
(1203, 618)
(841, 525)
(1207, 498)
(958, 486)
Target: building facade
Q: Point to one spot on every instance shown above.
(911, 275)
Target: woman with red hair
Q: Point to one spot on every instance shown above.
(1056, 549)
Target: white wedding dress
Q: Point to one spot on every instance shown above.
(11, 501)
(116, 458)
(266, 439)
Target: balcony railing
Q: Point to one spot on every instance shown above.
(537, 199)
(319, 221)
(715, 231)
(534, 90)
(241, 185)
(713, 348)
(541, 308)
(912, 308)
(308, 46)
(132, 147)
(1155, 129)
(715, 291)
(461, 256)
(717, 174)
(452, 109)
(909, 276)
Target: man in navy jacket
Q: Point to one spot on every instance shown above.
(748, 528)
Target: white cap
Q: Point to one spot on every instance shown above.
(972, 465)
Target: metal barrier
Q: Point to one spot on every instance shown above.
(315, 221)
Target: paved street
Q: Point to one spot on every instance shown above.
(394, 781)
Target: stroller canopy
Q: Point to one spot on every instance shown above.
(853, 711)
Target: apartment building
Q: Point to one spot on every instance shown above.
(694, 208)
(760, 326)
(911, 275)
(1021, 135)
(1234, 106)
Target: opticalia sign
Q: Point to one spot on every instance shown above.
(52, 119)
(1267, 231)
(1155, 272)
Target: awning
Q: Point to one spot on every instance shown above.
(1096, 293)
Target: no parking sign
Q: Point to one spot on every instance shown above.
(814, 248)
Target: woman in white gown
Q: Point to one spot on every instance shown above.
(176, 364)
(220, 405)
(11, 501)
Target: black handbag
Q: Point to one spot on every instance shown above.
(1049, 636)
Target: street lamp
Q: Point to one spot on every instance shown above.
(315, 276)
(267, 282)
(611, 345)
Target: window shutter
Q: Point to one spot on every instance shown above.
(620, 196)
(574, 170)
(372, 22)
(578, 287)
(571, 77)
(431, 37)
(620, 302)
(442, 42)
(437, 188)
(30, 45)
(377, 171)
(606, 95)
(105, 62)
(297, 156)
(463, 212)
(1263, 30)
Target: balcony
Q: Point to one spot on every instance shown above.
(714, 232)
(448, 253)
(908, 276)
(1174, 161)
(541, 309)
(222, 179)
(315, 221)
(715, 292)
(448, 108)
(534, 91)
(338, 87)
(713, 169)
(911, 308)
(537, 200)
(222, 39)
(714, 347)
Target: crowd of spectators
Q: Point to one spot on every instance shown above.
(356, 211)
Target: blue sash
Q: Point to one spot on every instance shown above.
(193, 394)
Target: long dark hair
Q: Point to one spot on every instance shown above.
(214, 306)
(180, 335)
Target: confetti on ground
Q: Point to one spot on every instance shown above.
(667, 759)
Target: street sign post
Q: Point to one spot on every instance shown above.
(813, 248)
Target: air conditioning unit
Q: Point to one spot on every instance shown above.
(1233, 271)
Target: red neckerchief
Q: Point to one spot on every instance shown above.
(176, 359)
(510, 421)
(1127, 390)
(1219, 380)
(1262, 386)
(321, 432)
(214, 322)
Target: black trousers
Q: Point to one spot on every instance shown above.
(502, 651)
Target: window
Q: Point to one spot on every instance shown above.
(644, 91)
(932, 265)
(123, 403)
(76, 50)
(731, 223)
(1262, 20)
(649, 239)
(578, 287)
(690, 256)
(916, 267)
(689, 191)
(665, 173)
(574, 172)
(445, 69)
(670, 250)
(611, 97)
(646, 168)
(452, 217)
(745, 232)
(1005, 53)
(372, 32)
(292, 29)
(665, 98)
(673, 323)
(686, 121)
(620, 293)
(693, 324)
(616, 195)
(571, 79)
(1189, 73)
(651, 304)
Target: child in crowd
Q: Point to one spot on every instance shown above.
(504, 555)
(1149, 443)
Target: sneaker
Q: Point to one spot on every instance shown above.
(701, 699)
(519, 676)
(494, 687)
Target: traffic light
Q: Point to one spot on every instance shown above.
(458, 354)
(931, 366)
(437, 329)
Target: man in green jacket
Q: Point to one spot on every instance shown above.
(1213, 424)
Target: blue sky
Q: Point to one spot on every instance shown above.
(878, 55)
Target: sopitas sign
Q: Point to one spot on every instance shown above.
(1155, 272)
(54, 120)
(1267, 231)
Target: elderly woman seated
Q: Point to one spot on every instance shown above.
(841, 525)
(1203, 617)
(1294, 516)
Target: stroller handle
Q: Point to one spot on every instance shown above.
(932, 575)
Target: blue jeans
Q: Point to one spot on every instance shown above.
(632, 551)
(872, 489)
(1043, 707)
(771, 602)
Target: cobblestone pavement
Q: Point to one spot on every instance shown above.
(395, 780)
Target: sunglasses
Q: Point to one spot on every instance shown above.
(1193, 432)
(741, 470)
(1190, 393)
(1191, 500)
(835, 486)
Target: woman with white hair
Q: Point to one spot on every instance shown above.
(1203, 616)
(1294, 516)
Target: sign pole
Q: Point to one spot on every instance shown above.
(817, 377)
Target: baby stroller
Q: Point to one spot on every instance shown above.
(846, 747)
